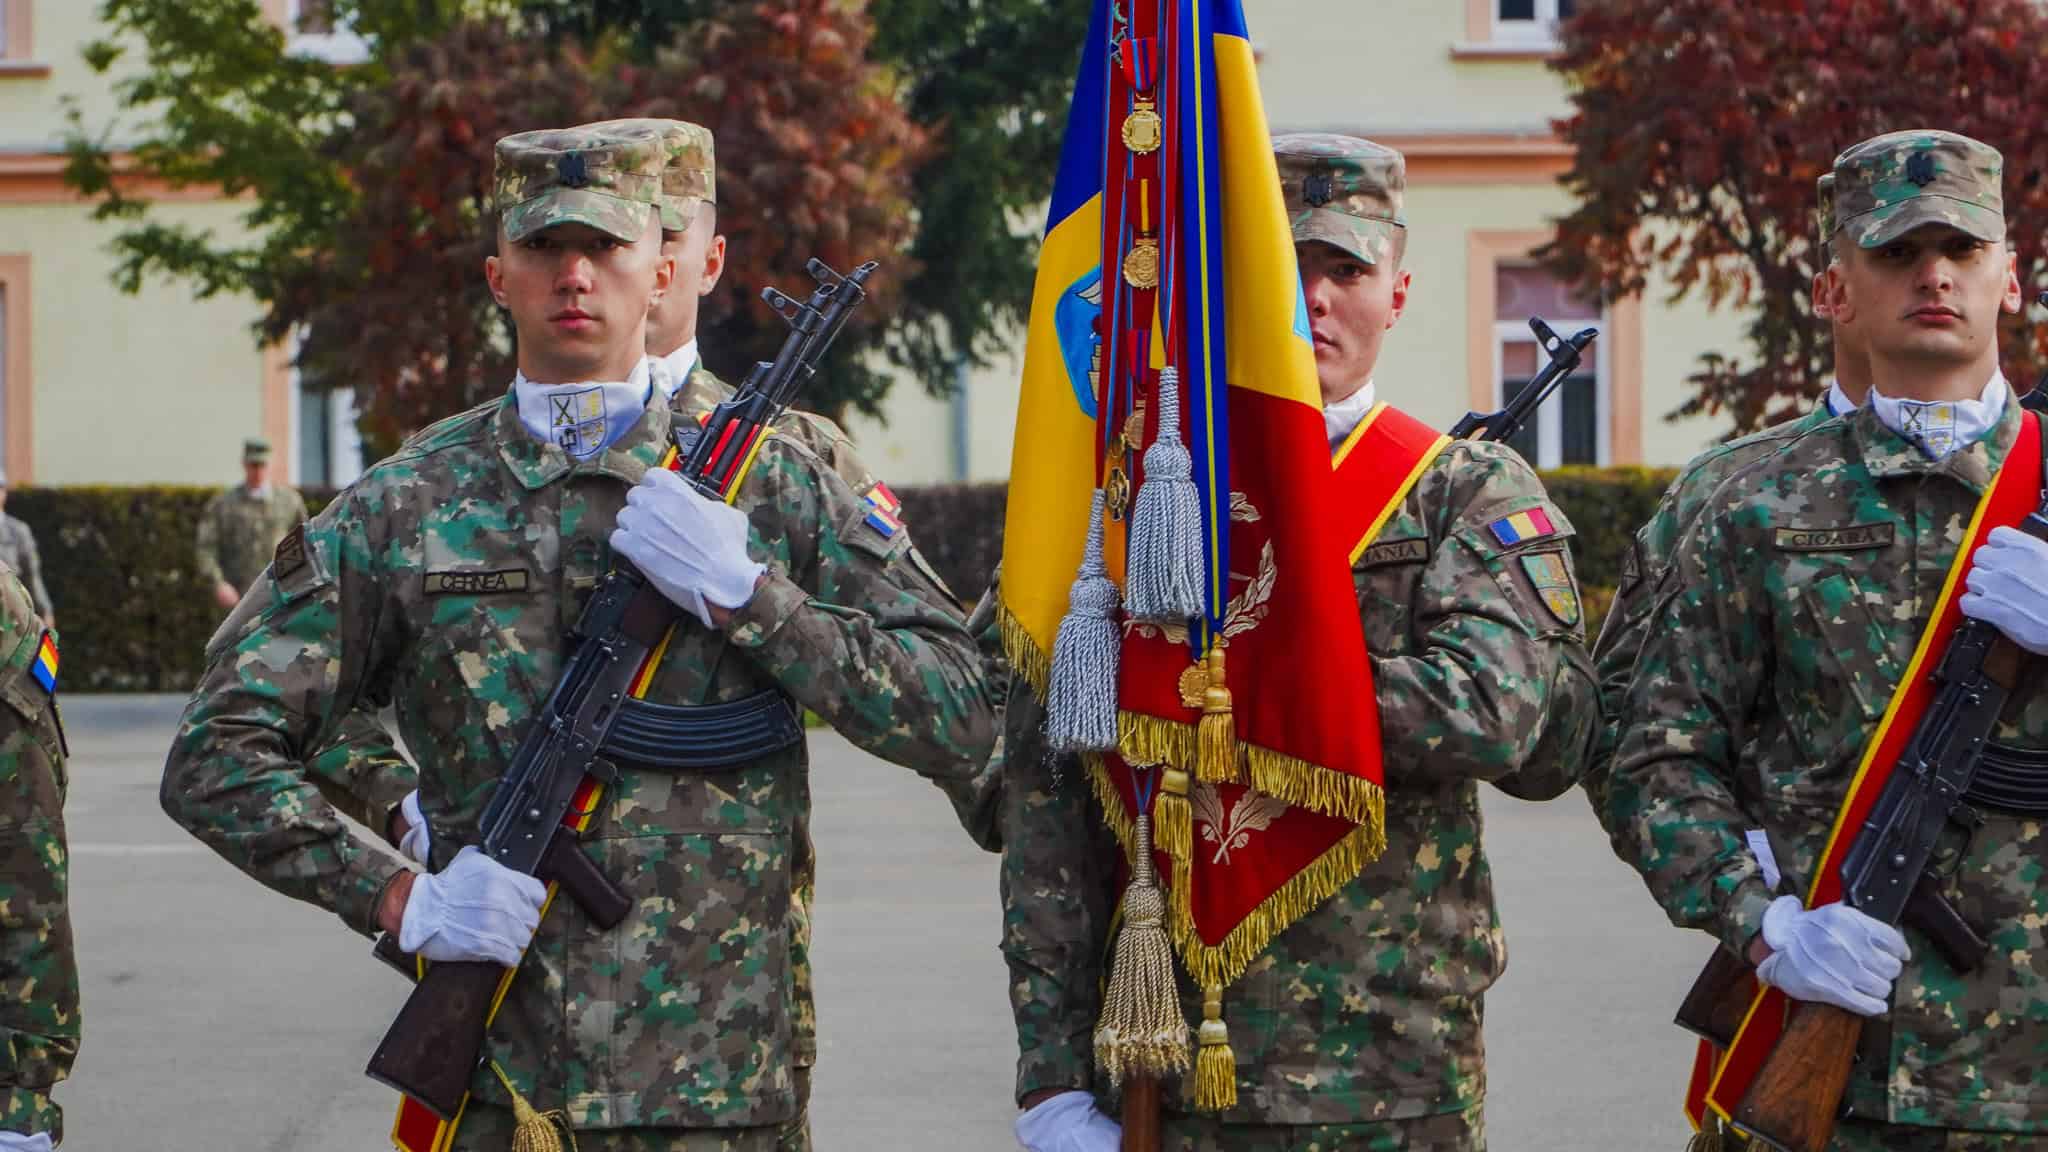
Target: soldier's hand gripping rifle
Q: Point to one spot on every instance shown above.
(593, 719)
(1795, 1099)
(1564, 357)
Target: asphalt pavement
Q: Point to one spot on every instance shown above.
(219, 1015)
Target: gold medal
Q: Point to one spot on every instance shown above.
(1141, 264)
(1142, 128)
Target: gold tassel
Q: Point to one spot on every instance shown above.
(1216, 1064)
(1216, 738)
(1714, 1137)
(534, 1131)
(1142, 1031)
(1173, 819)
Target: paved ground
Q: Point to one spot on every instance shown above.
(220, 1016)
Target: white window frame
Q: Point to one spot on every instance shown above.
(1550, 417)
(1541, 31)
(340, 47)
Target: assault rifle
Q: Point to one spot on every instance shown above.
(1794, 1101)
(1502, 425)
(591, 720)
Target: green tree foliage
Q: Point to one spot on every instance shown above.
(364, 183)
(1699, 127)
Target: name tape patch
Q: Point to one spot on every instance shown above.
(477, 583)
(1410, 551)
(1850, 539)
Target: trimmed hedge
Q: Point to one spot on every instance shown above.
(135, 616)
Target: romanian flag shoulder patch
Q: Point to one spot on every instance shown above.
(43, 669)
(885, 512)
(1522, 527)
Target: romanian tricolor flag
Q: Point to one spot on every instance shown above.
(1167, 285)
(44, 667)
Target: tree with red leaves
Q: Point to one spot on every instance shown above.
(371, 184)
(1698, 130)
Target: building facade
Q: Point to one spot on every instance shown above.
(1462, 88)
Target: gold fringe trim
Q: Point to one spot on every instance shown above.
(1173, 822)
(1215, 1063)
(1350, 798)
(1301, 894)
(1026, 658)
(1153, 740)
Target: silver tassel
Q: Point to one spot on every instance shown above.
(1166, 526)
(1081, 700)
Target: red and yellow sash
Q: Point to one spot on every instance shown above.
(2012, 495)
(1255, 857)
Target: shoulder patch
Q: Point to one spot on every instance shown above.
(43, 667)
(885, 512)
(1552, 579)
(1413, 550)
(1853, 538)
(1523, 528)
(291, 553)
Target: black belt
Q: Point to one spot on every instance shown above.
(703, 737)
(2011, 780)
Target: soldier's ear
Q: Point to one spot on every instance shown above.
(714, 265)
(1840, 306)
(494, 277)
(2014, 299)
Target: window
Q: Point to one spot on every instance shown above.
(1529, 21)
(316, 35)
(329, 449)
(1572, 427)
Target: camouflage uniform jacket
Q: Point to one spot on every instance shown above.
(681, 1016)
(1772, 657)
(1368, 1008)
(1630, 615)
(38, 976)
(239, 530)
(18, 552)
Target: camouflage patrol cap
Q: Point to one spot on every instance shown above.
(1343, 191)
(255, 450)
(1889, 185)
(607, 179)
(689, 177)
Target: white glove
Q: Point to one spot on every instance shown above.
(693, 548)
(16, 1142)
(1833, 954)
(476, 909)
(1068, 1122)
(417, 840)
(2009, 587)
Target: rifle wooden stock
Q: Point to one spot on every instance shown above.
(434, 1046)
(1141, 1114)
(1794, 1101)
(1720, 997)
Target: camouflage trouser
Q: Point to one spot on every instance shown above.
(488, 1129)
(1861, 1136)
(1450, 1132)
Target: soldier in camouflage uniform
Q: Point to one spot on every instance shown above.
(651, 1035)
(242, 525)
(38, 977)
(1782, 628)
(1630, 615)
(18, 552)
(1359, 1028)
